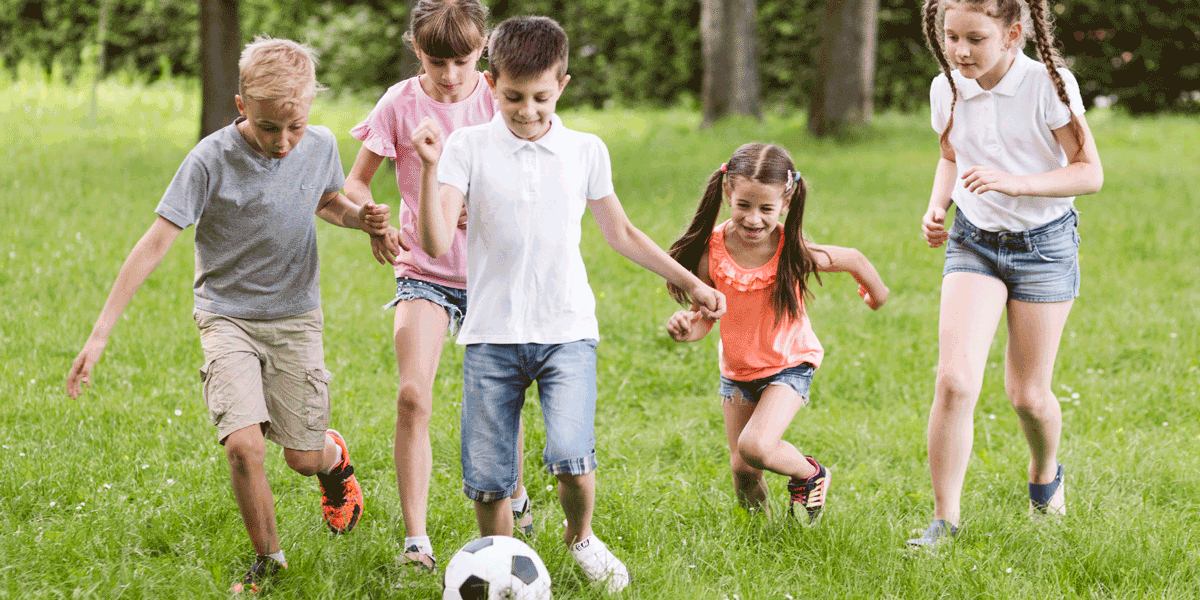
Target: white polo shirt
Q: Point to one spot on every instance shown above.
(526, 281)
(1009, 127)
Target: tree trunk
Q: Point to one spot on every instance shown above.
(729, 46)
(845, 84)
(220, 47)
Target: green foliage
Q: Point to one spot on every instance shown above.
(124, 493)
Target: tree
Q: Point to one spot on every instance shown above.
(729, 47)
(220, 47)
(845, 67)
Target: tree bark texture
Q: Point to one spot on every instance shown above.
(220, 48)
(729, 48)
(844, 90)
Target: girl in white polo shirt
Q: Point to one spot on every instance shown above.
(1016, 150)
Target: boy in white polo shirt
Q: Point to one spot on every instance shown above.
(526, 180)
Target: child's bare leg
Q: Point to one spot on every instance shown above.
(970, 311)
(1034, 333)
(311, 462)
(748, 481)
(761, 442)
(419, 329)
(246, 449)
(494, 518)
(577, 494)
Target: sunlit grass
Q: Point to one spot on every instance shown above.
(124, 493)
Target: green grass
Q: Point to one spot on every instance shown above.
(124, 493)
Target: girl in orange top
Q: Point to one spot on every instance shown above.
(768, 351)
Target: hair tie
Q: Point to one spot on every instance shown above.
(797, 176)
(724, 167)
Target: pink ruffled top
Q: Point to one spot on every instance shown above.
(752, 346)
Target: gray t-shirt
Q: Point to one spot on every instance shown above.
(256, 237)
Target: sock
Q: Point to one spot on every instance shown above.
(279, 558)
(519, 502)
(421, 542)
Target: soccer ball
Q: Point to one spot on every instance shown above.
(496, 568)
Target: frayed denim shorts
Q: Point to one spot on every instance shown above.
(453, 300)
(798, 378)
(1039, 265)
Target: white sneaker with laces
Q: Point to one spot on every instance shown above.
(599, 564)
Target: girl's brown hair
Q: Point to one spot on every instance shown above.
(770, 165)
(1007, 12)
(447, 28)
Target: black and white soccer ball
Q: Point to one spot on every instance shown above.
(498, 567)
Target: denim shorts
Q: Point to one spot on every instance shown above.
(453, 300)
(1039, 265)
(495, 377)
(798, 378)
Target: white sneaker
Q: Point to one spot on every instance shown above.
(599, 564)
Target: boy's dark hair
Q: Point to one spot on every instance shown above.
(447, 28)
(523, 47)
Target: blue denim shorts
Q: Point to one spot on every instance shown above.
(798, 378)
(495, 377)
(453, 300)
(1039, 265)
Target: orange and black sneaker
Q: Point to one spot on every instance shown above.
(809, 493)
(263, 569)
(341, 497)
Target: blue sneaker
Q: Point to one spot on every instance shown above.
(1048, 499)
(937, 532)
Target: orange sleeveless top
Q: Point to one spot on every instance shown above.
(752, 346)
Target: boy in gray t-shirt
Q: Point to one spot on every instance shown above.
(251, 189)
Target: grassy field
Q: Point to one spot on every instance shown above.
(124, 493)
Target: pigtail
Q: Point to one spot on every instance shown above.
(796, 261)
(933, 40)
(1043, 33)
(692, 245)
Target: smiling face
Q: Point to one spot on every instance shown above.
(273, 127)
(978, 44)
(449, 80)
(756, 208)
(528, 103)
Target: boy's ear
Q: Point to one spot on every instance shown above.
(487, 75)
(237, 99)
(562, 83)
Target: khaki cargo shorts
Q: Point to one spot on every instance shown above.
(269, 373)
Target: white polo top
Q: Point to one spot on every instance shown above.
(1009, 127)
(526, 281)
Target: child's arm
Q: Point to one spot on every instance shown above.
(690, 325)
(358, 189)
(439, 208)
(631, 243)
(1083, 174)
(933, 224)
(335, 208)
(834, 259)
(143, 259)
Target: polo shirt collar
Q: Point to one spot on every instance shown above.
(969, 88)
(552, 141)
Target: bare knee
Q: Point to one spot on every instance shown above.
(413, 404)
(1031, 401)
(244, 454)
(304, 462)
(753, 451)
(954, 391)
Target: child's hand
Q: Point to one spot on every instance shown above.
(710, 301)
(375, 218)
(81, 370)
(873, 300)
(680, 325)
(386, 247)
(987, 179)
(933, 226)
(462, 218)
(427, 140)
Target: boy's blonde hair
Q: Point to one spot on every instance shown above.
(275, 68)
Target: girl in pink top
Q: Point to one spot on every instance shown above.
(768, 351)
(448, 38)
